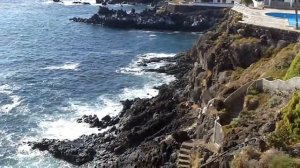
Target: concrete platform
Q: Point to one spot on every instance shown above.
(258, 17)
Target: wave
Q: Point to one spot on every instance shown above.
(136, 68)
(65, 129)
(70, 2)
(15, 100)
(105, 104)
(66, 66)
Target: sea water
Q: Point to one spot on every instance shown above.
(53, 71)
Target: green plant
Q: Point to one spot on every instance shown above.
(273, 158)
(294, 69)
(288, 129)
(274, 101)
(253, 91)
(245, 158)
(235, 122)
(283, 161)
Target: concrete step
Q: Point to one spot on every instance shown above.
(183, 156)
(184, 151)
(183, 162)
(187, 145)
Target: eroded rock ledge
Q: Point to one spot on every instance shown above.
(155, 19)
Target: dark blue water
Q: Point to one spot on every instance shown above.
(290, 17)
(53, 70)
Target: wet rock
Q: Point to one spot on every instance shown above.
(90, 119)
(74, 153)
(106, 118)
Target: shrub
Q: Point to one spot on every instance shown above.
(276, 159)
(274, 101)
(283, 161)
(288, 129)
(294, 69)
(246, 158)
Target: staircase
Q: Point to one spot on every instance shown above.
(187, 156)
(184, 156)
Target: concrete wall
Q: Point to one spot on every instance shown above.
(218, 136)
(240, 92)
(277, 85)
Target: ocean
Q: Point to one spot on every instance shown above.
(53, 71)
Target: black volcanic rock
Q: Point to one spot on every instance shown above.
(151, 19)
(73, 152)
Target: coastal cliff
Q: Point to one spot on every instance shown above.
(149, 132)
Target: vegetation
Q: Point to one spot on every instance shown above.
(288, 129)
(274, 101)
(247, 2)
(274, 63)
(276, 159)
(246, 158)
(282, 161)
(249, 40)
(294, 69)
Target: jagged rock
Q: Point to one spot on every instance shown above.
(66, 150)
(106, 118)
(268, 127)
(90, 119)
(224, 77)
(281, 44)
(251, 103)
(180, 136)
(241, 32)
(151, 19)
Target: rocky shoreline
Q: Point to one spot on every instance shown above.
(149, 132)
(155, 19)
(141, 125)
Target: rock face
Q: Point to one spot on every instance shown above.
(152, 19)
(148, 132)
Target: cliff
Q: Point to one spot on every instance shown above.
(149, 132)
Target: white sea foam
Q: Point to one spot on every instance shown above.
(15, 99)
(8, 107)
(146, 92)
(66, 66)
(70, 2)
(65, 129)
(152, 35)
(35, 158)
(136, 69)
(105, 104)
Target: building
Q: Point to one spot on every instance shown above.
(281, 4)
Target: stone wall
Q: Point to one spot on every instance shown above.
(240, 92)
(218, 136)
(277, 85)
